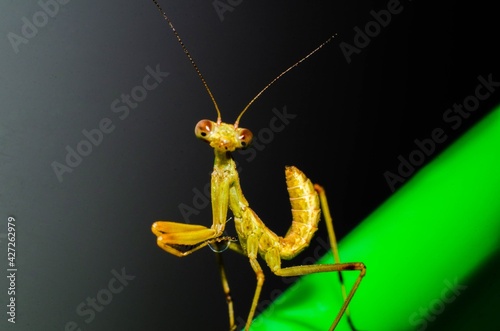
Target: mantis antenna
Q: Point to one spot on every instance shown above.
(190, 59)
(236, 123)
(281, 75)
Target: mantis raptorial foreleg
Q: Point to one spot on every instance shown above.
(254, 238)
(183, 239)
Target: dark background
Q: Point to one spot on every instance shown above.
(353, 121)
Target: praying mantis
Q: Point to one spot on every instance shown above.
(255, 239)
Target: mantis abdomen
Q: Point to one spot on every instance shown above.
(305, 213)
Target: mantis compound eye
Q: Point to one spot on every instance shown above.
(203, 129)
(245, 136)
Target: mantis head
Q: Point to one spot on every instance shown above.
(223, 137)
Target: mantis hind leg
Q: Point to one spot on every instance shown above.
(333, 243)
(310, 269)
(305, 270)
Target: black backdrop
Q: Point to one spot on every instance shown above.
(349, 118)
